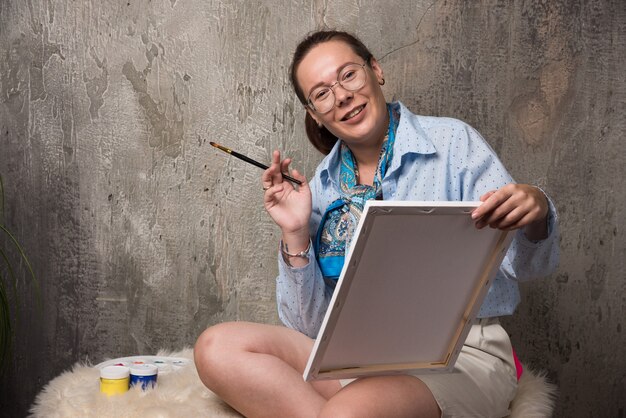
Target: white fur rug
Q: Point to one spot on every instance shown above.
(535, 396)
(76, 393)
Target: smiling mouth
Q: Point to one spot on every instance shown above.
(354, 112)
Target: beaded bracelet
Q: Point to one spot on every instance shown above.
(302, 254)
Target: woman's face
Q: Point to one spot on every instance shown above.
(358, 117)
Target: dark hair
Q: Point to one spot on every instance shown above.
(321, 138)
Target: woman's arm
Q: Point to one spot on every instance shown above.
(526, 209)
(301, 293)
(301, 296)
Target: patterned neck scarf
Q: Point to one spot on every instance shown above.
(342, 216)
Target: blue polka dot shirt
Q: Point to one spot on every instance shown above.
(434, 158)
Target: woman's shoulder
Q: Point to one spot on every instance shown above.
(428, 134)
(441, 122)
(433, 124)
(448, 137)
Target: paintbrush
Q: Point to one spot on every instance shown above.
(251, 161)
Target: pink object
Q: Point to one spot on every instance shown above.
(518, 366)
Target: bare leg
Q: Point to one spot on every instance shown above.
(257, 369)
(385, 396)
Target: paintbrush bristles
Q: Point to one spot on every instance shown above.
(223, 148)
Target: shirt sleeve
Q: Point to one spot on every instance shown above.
(301, 296)
(301, 293)
(528, 259)
(483, 172)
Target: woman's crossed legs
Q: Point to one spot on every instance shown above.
(257, 369)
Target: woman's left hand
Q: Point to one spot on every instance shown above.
(512, 207)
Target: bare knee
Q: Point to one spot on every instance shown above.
(215, 348)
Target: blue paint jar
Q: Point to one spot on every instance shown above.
(144, 375)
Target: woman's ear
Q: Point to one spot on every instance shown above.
(314, 116)
(378, 71)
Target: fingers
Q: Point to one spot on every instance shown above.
(298, 176)
(284, 165)
(275, 173)
(506, 220)
(486, 213)
(511, 207)
(266, 180)
(267, 176)
(520, 223)
(270, 197)
(480, 211)
(487, 195)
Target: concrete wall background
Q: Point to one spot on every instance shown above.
(141, 234)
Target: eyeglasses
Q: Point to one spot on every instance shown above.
(351, 77)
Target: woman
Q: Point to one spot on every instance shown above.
(384, 152)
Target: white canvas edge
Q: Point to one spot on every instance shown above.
(308, 373)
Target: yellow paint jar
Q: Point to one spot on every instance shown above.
(114, 379)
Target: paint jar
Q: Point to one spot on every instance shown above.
(144, 375)
(114, 380)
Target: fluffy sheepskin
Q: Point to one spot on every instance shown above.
(535, 396)
(75, 393)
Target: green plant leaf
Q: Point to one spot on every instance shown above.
(26, 262)
(1, 199)
(6, 328)
(12, 278)
(8, 277)
(6, 332)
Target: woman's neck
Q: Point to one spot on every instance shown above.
(366, 154)
(366, 157)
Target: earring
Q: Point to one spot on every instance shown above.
(382, 82)
(320, 125)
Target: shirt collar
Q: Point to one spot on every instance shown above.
(410, 138)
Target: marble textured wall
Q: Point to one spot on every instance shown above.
(141, 234)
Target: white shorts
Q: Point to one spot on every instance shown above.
(484, 379)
